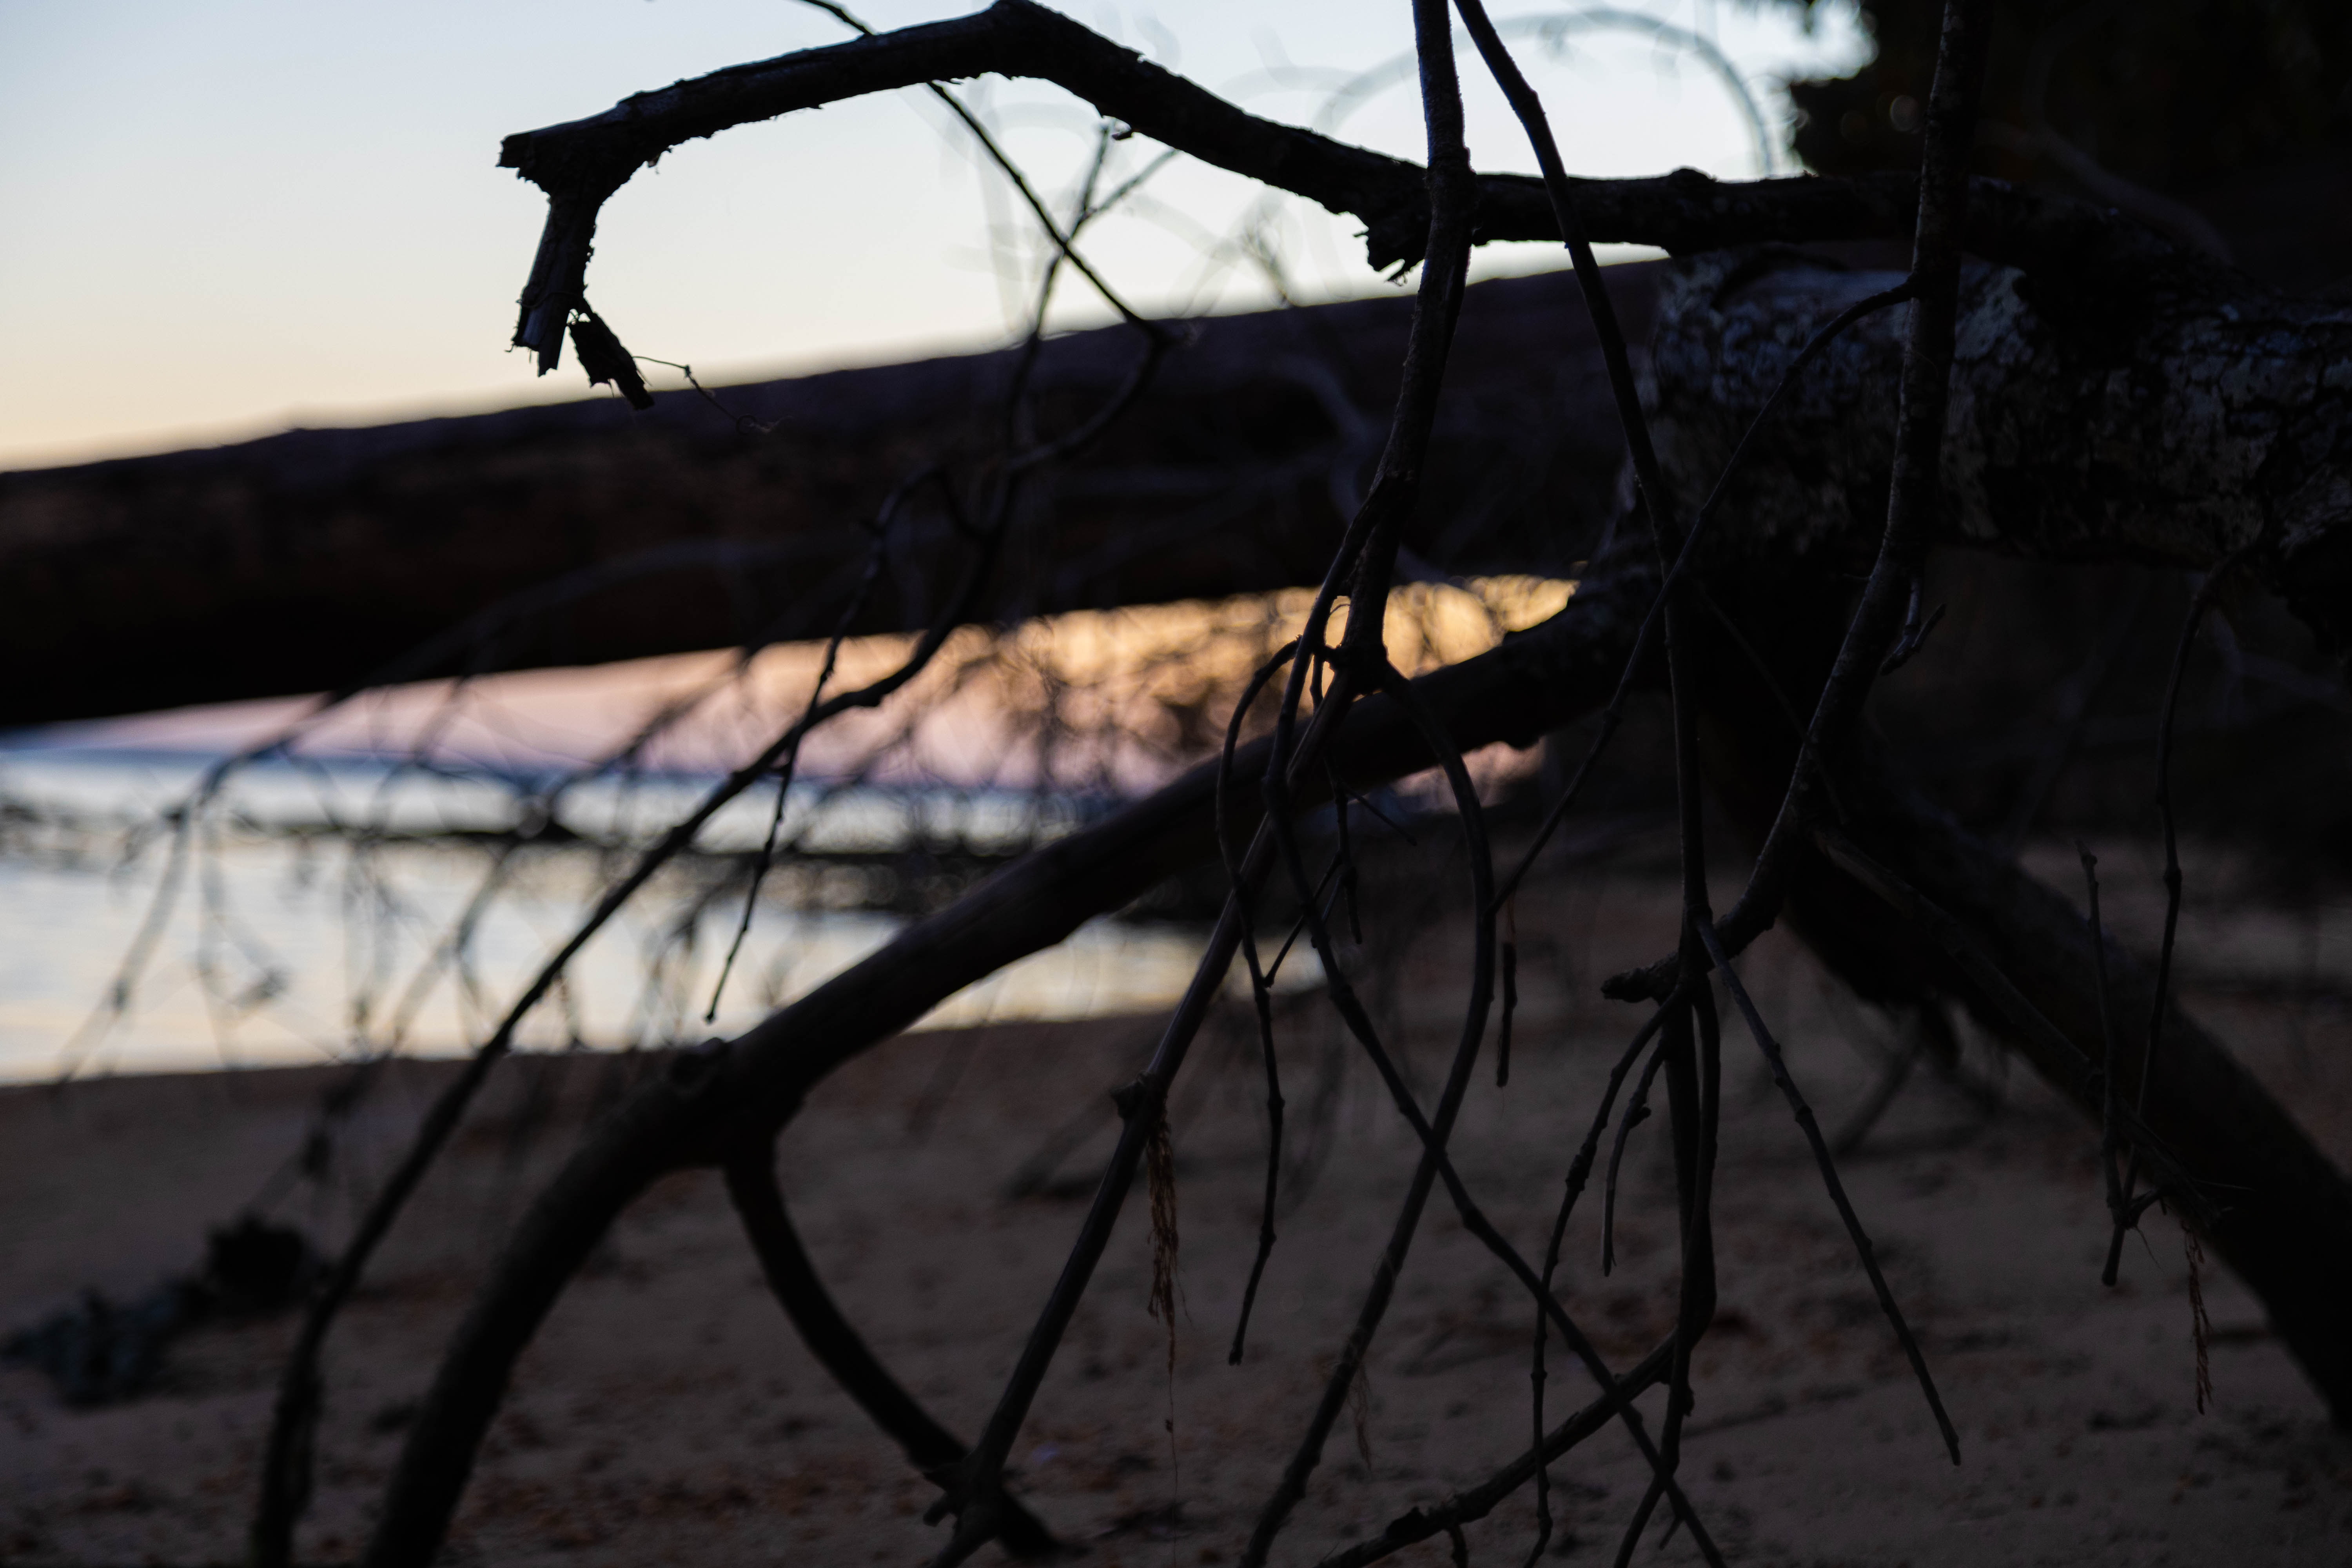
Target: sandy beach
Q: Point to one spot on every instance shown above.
(668, 1415)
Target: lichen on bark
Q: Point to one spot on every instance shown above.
(2168, 427)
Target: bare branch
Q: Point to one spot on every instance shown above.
(582, 163)
(1476, 1504)
(929, 1446)
(1821, 1157)
(707, 1106)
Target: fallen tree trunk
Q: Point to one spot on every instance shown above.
(578, 533)
(2181, 415)
(2288, 1201)
(2282, 1213)
(581, 533)
(2161, 421)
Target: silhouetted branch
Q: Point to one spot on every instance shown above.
(751, 1185)
(1579, 1171)
(1821, 1157)
(705, 1107)
(285, 1466)
(1476, 1503)
(2199, 604)
(582, 163)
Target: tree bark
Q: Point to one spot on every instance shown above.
(2169, 425)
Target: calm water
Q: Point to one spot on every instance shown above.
(255, 938)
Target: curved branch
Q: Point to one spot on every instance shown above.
(582, 163)
(1476, 1503)
(286, 1462)
(768, 1225)
(713, 1103)
(2290, 1246)
(1827, 1164)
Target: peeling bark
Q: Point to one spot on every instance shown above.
(2169, 425)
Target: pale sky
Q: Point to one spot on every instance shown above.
(222, 220)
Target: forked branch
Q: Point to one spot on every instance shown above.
(580, 164)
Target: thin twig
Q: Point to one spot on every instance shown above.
(1261, 992)
(2199, 604)
(1013, 174)
(1579, 1171)
(1821, 1157)
(1432, 1133)
(1693, 1085)
(767, 1224)
(1913, 493)
(877, 558)
(2054, 1054)
(2110, 1139)
(1637, 1110)
(1469, 1506)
